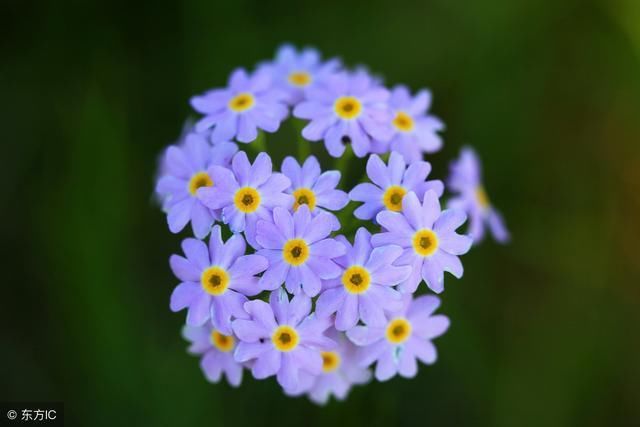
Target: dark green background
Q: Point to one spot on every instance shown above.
(544, 331)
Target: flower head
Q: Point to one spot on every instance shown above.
(299, 251)
(216, 280)
(349, 108)
(404, 339)
(314, 188)
(391, 183)
(249, 103)
(365, 288)
(185, 170)
(216, 350)
(246, 192)
(282, 338)
(428, 238)
(471, 197)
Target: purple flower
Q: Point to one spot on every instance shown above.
(246, 193)
(428, 237)
(390, 185)
(466, 180)
(406, 337)
(350, 108)
(365, 288)
(215, 280)
(298, 250)
(248, 103)
(310, 187)
(283, 338)
(294, 72)
(185, 170)
(415, 132)
(216, 350)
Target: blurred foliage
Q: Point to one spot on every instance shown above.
(544, 331)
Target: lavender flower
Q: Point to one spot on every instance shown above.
(350, 108)
(365, 288)
(415, 132)
(406, 337)
(186, 169)
(390, 185)
(249, 103)
(282, 339)
(466, 181)
(215, 280)
(315, 189)
(246, 193)
(216, 350)
(428, 237)
(298, 250)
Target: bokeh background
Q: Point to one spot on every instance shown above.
(544, 331)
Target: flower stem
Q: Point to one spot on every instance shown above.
(342, 163)
(304, 149)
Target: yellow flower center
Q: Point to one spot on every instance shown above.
(199, 180)
(304, 196)
(403, 122)
(241, 102)
(348, 107)
(483, 198)
(330, 361)
(215, 280)
(247, 199)
(425, 242)
(224, 343)
(295, 251)
(300, 78)
(285, 338)
(392, 198)
(398, 330)
(356, 279)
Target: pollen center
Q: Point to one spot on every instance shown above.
(425, 242)
(199, 180)
(356, 279)
(215, 280)
(285, 338)
(241, 102)
(295, 251)
(392, 198)
(247, 199)
(403, 122)
(224, 343)
(300, 78)
(330, 361)
(348, 107)
(398, 330)
(304, 196)
(483, 198)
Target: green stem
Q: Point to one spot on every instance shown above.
(304, 149)
(260, 143)
(342, 163)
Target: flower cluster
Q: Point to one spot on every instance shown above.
(289, 276)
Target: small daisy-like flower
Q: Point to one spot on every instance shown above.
(349, 108)
(405, 338)
(186, 169)
(215, 280)
(365, 288)
(428, 238)
(216, 350)
(415, 132)
(282, 339)
(466, 181)
(249, 103)
(390, 184)
(299, 251)
(246, 193)
(314, 188)
(294, 72)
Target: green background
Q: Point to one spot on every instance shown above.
(544, 331)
